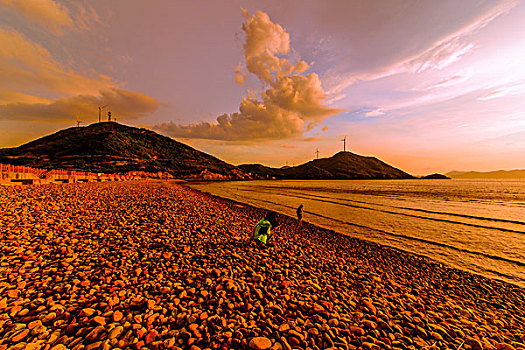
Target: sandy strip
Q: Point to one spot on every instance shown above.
(155, 265)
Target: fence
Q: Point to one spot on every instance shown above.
(13, 174)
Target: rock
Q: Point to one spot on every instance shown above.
(260, 343)
(115, 332)
(100, 320)
(313, 332)
(370, 346)
(87, 312)
(60, 347)
(357, 330)
(370, 306)
(93, 346)
(71, 264)
(151, 336)
(20, 335)
(117, 316)
(49, 317)
(296, 334)
(474, 344)
(34, 324)
(284, 327)
(276, 346)
(333, 322)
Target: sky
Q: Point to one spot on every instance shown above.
(426, 86)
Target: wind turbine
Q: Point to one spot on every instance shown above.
(317, 152)
(79, 122)
(100, 108)
(344, 144)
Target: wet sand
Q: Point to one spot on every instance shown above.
(156, 265)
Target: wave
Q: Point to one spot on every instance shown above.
(308, 196)
(407, 237)
(429, 211)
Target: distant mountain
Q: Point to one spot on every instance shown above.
(342, 165)
(499, 174)
(110, 147)
(436, 176)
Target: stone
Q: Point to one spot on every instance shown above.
(260, 343)
(117, 316)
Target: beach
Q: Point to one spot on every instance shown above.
(156, 265)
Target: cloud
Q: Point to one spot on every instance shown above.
(289, 105)
(449, 81)
(123, 105)
(502, 91)
(28, 67)
(36, 87)
(47, 13)
(375, 113)
(438, 55)
(86, 17)
(240, 75)
(452, 88)
(8, 96)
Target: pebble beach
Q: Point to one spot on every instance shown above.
(156, 265)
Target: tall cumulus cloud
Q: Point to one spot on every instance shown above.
(290, 103)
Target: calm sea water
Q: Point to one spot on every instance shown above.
(477, 226)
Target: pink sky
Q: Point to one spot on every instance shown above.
(429, 86)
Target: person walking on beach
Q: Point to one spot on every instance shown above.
(262, 233)
(300, 214)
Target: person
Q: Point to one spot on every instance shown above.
(300, 214)
(262, 233)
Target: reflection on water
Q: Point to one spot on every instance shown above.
(478, 226)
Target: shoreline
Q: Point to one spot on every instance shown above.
(379, 245)
(164, 266)
(361, 231)
(374, 245)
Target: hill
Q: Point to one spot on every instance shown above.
(110, 147)
(435, 176)
(499, 174)
(342, 165)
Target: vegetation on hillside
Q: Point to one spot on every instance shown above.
(111, 147)
(343, 165)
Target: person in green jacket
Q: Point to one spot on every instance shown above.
(262, 232)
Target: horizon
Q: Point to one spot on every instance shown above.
(425, 87)
(286, 165)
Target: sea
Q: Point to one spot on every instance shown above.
(473, 225)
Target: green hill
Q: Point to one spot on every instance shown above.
(110, 147)
(342, 165)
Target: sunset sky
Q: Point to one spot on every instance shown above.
(427, 86)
